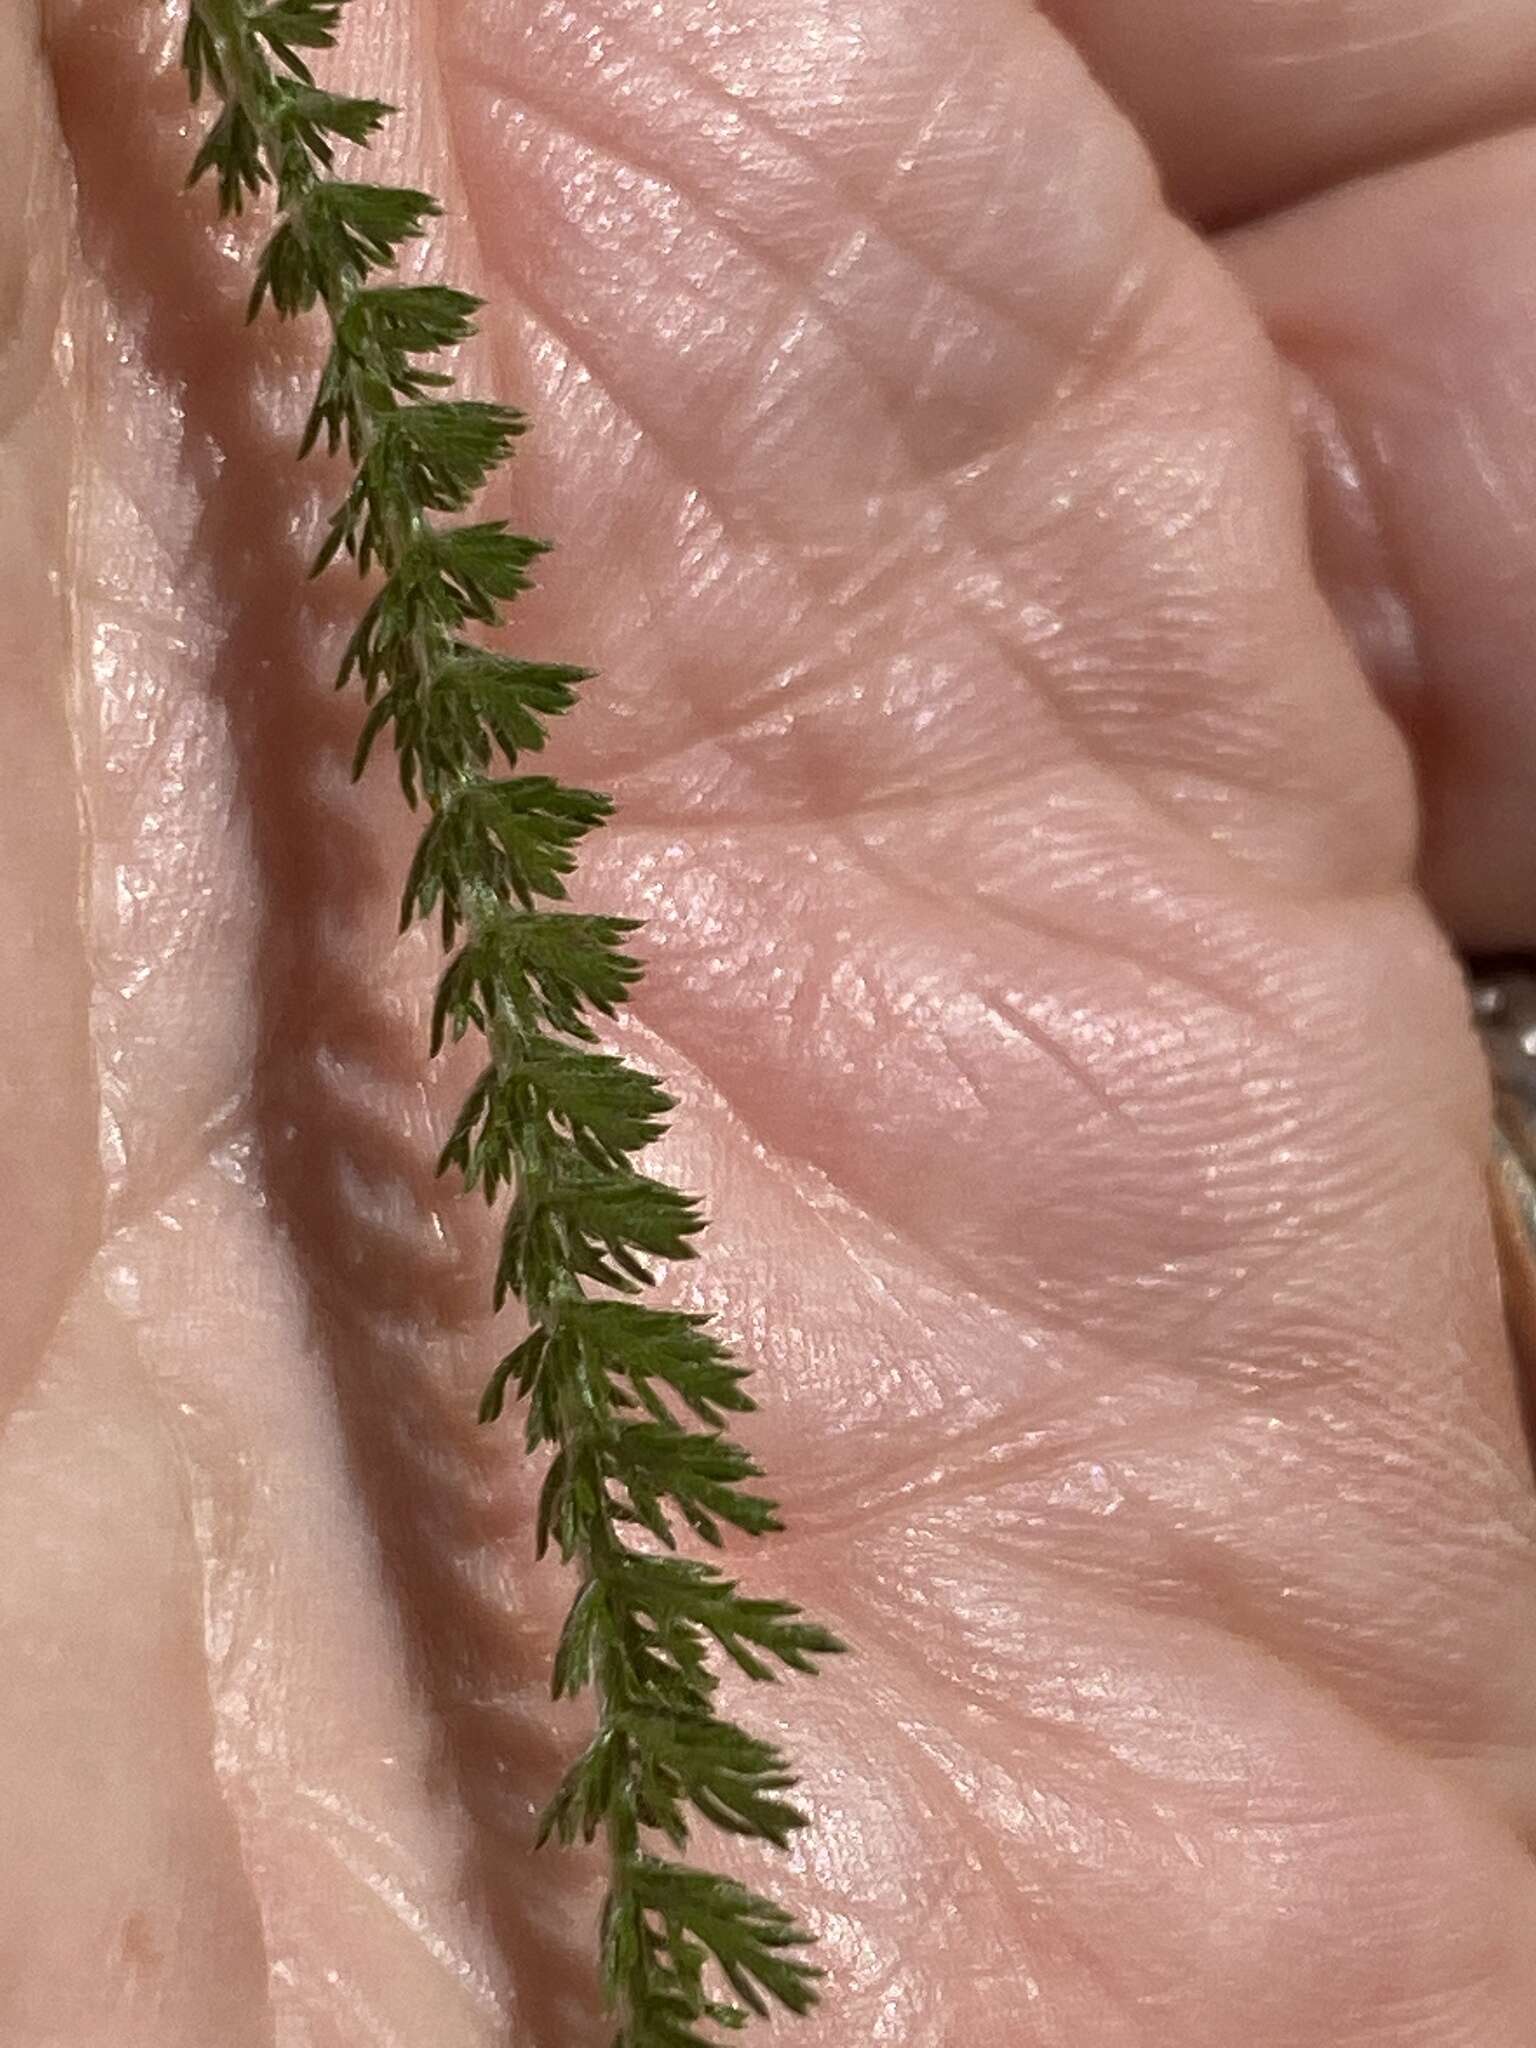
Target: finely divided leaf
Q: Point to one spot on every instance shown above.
(627, 1401)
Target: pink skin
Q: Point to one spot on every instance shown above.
(1080, 1085)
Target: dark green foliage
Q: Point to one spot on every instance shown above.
(334, 234)
(544, 1092)
(307, 119)
(535, 971)
(629, 1402)
(694, 1916)
(293, 25)
(433, 457)
(474, 705)
(381, 329)
(662, 1463)
(515, 838)
(232, 150)
(648, 1348)
(617, 1354)
(666, 1606)
(672, 1761)
(576, 1222)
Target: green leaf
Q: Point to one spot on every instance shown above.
(587, 1793)
(439, 452)
(658, 1986)
(309, 117)
(512, 699)
(428, 457)
(504, 838)
(401, 320)
(541, 1090)
(599, 1226)
(748, 1937)
(342, 231)
(607, 1108)
(538, 968)
(665, 1763)
(483, 1143)
(303, 120)
(586, 1628)
(474, 703)
(232, 150)
(630, 1400)
(287, 274)
(412, 606)
(571, 1501)
(647, 1347)
(293, 25)
(700, 1473)
(521, 1367)
(729, 1777)
(200, 59)
(370, 363)
(485, 565)
(682, 1598)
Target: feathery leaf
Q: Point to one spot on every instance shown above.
(627, 1400)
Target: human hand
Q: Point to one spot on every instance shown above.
(1080, 1089)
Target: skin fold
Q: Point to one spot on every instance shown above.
(1062, 593)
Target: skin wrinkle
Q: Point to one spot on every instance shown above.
(1139, 1817)
(775, 701)
(952, 1268)
(918, 1971)
(946, 1469)
(757, 528)
(44, 949)
(736, 522)
(1121, 309)
(1371, 31)
(768, 339)
(1075, 1070)
(1241, 1622)
(813, 1201)
(950, 1793)
(31, 278)
(175, 1169)
(1123, 306)
(1035, 925)
(760, 528)
(394, 1896)
(1078, 1741)
(994, 1296)
(198, 1484)
(1025, 1301)
(862, 214)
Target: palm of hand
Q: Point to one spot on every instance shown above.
(1080, 1091)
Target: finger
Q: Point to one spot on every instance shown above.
(1249, 104)
(47, 1177)
(1408, 306)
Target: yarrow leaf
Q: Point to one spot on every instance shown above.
(517, 837)
(629, 1401)
(474, 704)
